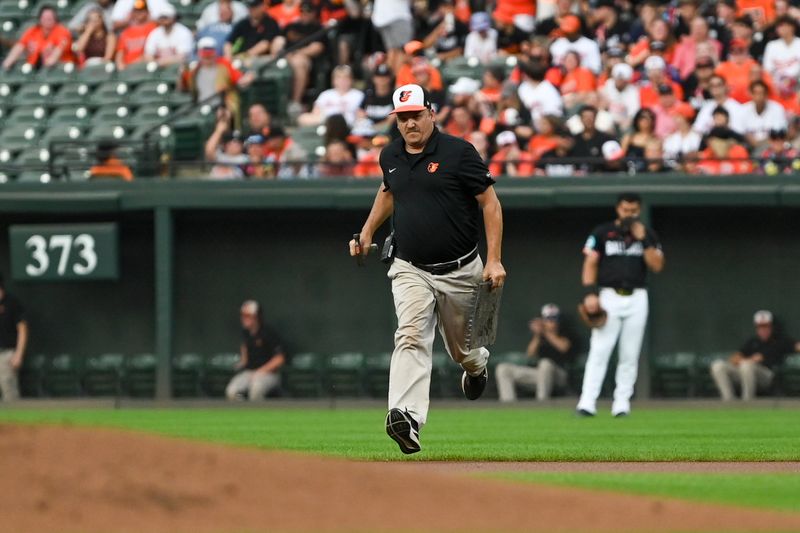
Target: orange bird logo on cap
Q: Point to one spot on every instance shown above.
(433, 167)
(404, 96)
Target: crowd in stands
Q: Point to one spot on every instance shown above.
(552, 88)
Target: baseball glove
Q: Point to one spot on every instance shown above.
(593, 320)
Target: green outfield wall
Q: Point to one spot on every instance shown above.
(190, 252)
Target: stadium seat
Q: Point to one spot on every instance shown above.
(139, 375)
(376, 374)
(790, 375)
(16, 9)
(139, 72)
(108, 131)
(20, 74)
(71, 115)
(97, 74)
(111, 93)
(28, 116)
(461, 67)
(74, 94)
(302, 375)
(672, 374)
(33, 157)
(62, 376)
(9, 29)
(345, 374)
(115, 113)
(34, 176)
(219, 369)
(187, 372)
(445, 377)
(151, 93)
(58, 74)
(62, 132)
(102, 374)
(272, 88)
(17, 138)
(31, 376)
(34, 94)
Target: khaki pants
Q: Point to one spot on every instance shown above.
(543, 379)
(749, 375)
(8, 376)
(255, 385)
(422, 300)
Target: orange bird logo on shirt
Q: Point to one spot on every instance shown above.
(433, 167)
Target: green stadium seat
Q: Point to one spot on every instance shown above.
(74, 94)
(140, 72)
(30, 116)
(345, 374)
(112, 93)
(98, 74)
(151, 93)
(302, 375)
(187, 373)
(34, 94)
(9, 29)
(139, 375)
(102, 374)
(461, 67)
(34, 176)
(672, 374)
(20, 74)
(19, 137)
(703, 382)
(272, 88)
(17, 9)
(33, 157)
(108, 131)
(445, 377)
(57, 74)
(62, 376)
(151, 115)
(116, 114)
(62, 132)
(190, 133)
(376, 374)
(71, 115)
(31, 375)
(219, 369)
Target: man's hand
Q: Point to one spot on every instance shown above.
(638, 231)
(535, 326)
(592, 303)
(361, 248)
(494, 271)
(757, 357)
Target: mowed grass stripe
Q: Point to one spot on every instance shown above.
(470, 434)
(765, 491)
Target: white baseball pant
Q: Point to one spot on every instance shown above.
(421, 300)
(627, 318)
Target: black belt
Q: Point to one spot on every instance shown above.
(445, 268)
(623, 292)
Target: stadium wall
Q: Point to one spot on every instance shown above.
(731, 248)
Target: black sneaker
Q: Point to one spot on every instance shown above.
(621, 414)
(584, 413)
(473, 386)
(404, 430)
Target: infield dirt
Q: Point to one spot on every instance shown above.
(65, 479)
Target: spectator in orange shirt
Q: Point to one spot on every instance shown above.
(415, 57)
(461, 122)
(761, 12)
(285, 12)
(657, 31)
(44, 44)
(723, 155)
(736, 71)
(368, 153)
(509, 159)
(547, 136)
(108, 165)
(579, 83)
(130, 47)
(655, 67)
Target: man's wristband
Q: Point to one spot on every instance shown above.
(590, 289)
(648, 242)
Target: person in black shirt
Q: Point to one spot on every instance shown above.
(753, 366)
(13, 341)
(377, 103)
(588, 147)
(435, 187)
(261, 356)
(617, 258)
(549, 351)
(254, 35)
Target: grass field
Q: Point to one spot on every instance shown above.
(471, 434)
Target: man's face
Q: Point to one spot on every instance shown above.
(628, 209)
(140, 16)
(718, 88)
(166, 22)
(257, 12)
(225, 12)
(588, 118)
(258, 117)
(47, 20)
(720, 119)
(764, 331)
(666, 100)
(248, 320)
(233, 147)
(342, 81)
(415, 126)
(759, 95)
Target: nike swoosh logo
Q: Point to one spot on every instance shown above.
(392, 170)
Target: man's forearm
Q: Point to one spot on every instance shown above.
(589, 274)
(382, 208)
(493, 222)
(22, 339)
(654, 259)
(273, 364)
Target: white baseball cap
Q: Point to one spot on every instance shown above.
(762, 317)
(612, 151)
(622, 71)
(166, 11)
(206, 43)
(550, 311)
(410, 97)
(655, 63)
(505, 138)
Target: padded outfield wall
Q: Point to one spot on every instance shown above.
(191, 252)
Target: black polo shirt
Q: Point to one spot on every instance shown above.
(773, 349)
(377, 107)
(11, 314)
(261, 347)
(548, 351)
(297, 31)
(436, 216)
(244, 35)
(621, 256)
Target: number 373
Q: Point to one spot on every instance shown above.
(39, 246)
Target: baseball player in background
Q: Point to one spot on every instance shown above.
(618, 255)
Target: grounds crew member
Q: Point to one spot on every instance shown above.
(434, 187)
(618, 255)
(13, 342)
